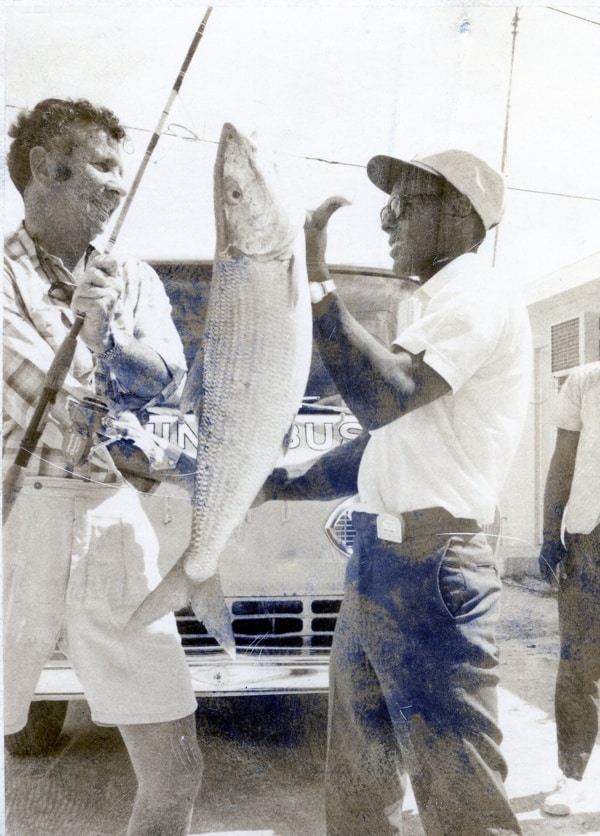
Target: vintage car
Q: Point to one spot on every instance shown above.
(282, 571)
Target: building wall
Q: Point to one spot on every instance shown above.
(522, 500)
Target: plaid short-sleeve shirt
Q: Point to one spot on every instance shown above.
(37, 319)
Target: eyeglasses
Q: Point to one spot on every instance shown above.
(407, 206)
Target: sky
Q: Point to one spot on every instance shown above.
(327, 86)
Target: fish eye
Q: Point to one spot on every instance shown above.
(233, 191)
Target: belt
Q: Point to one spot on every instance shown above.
(397, 528)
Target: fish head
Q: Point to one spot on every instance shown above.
(252, 209)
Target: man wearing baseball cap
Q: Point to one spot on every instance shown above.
(414, 661)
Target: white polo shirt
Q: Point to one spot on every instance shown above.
(578, 410)
(456, 451)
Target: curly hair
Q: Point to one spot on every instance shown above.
(52, 124)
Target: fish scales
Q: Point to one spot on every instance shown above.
(247, 382)
(254, 379)
(256, 354)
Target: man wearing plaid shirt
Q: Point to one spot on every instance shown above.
(80, 551)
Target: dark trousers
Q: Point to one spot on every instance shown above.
(576, 695)
(413, 686)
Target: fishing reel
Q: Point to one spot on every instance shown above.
(88, 423)
(141, 456)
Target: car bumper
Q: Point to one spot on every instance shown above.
(217, 675)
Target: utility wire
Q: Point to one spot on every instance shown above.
(553, 194)
(570, 14)
(515, 29)
(193, 137)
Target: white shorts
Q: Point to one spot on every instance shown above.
(78, 559)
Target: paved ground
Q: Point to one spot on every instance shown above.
(264, 768)
(529, 655)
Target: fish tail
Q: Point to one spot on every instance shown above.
(210, 608)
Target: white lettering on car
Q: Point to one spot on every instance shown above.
(326, 431)
(349, 430)
(317, 436)
(293, 437)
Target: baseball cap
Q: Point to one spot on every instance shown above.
(483, 185)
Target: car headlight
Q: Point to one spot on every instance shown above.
(339, 528)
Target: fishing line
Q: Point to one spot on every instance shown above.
(79, 477)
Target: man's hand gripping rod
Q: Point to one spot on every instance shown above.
(63, 358)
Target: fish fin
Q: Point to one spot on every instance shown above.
(172, 594)
(208, 604)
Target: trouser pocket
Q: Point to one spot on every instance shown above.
(466, 575)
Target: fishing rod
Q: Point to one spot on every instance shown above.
(159, 128)
(55, 377)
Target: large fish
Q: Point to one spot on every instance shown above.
(247, 382)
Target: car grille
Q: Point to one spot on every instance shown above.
(297, 626)
(340, 530)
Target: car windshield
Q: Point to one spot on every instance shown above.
(373, 297)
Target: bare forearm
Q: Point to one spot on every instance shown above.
(558, 482)
(137, 367)
(334, 475)
(378, 385)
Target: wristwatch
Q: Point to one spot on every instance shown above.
(319, 290)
